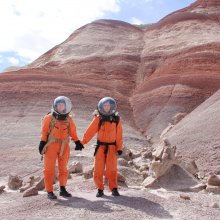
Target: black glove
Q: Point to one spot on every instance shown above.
(79, 145)
(119, 152)
(41, 146)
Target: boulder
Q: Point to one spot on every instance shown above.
(174, 179)
(213, 189)
(31, 192)
(213, 180)
(14, 182)
(76, 167)
(163, 159)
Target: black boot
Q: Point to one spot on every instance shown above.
(63, 192)
(100, 193)
(51, 195)
(115, 192)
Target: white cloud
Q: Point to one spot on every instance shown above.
(32, 27)
(136, 21)
(13, 61)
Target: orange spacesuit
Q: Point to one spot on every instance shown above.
(109, 144)
(56, 131)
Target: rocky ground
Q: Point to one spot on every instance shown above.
(133, 204)
(20, 156)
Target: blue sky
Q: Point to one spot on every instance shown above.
(29, 28)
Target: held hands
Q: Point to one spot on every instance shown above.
(41, 146)
(79, 145)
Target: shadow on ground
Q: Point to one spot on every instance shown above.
(110, 204)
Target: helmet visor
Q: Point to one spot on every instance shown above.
(107, 106)
(62, 105)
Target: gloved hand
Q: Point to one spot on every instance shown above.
(41, 146)
(119, 152)
(79, 145)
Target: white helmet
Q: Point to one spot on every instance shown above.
(61, 108)
(107, 106)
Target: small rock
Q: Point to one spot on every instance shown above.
(127, 154)
(213, 180)
(165, 156)
(76, 167)
(145, 174)
(149, 138)
(183, 196)
(144, 168)
(144, 149)
(166, 142)
(137, 166)
(214, 205)
(14, 182)
(201, 174)
(135, 155)
(2, 189)
(147, 154)
(37, 179)
(88, 172)
(121, 178)
(40, 184)
(122, 162)
(130, 163)
(149, 182)
(31, 180)
(31, 192)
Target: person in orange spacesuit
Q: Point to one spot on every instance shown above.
(56, 130)
(107, 124)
